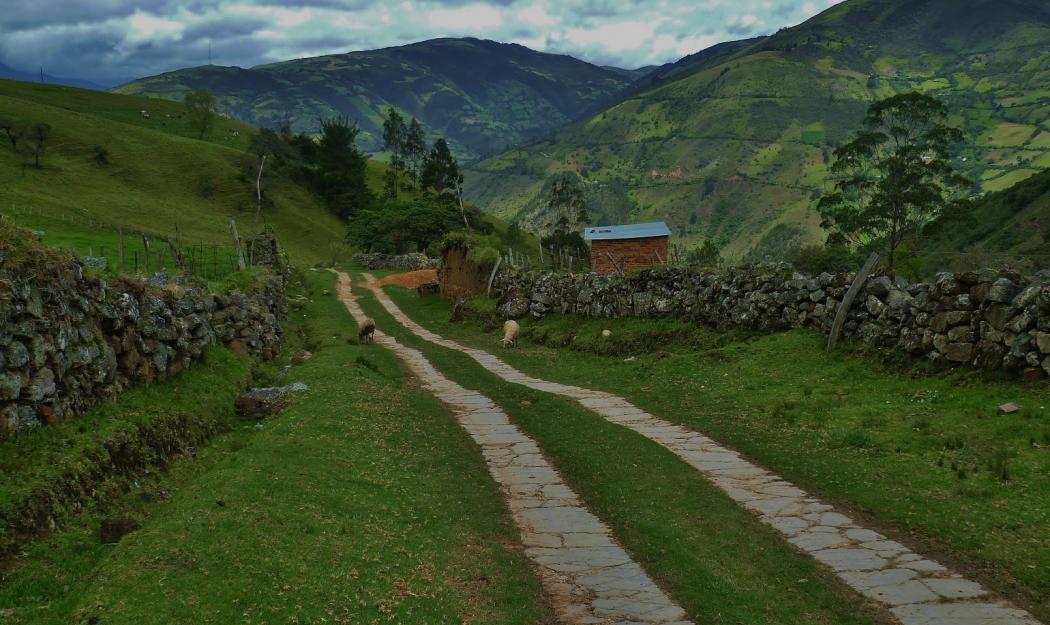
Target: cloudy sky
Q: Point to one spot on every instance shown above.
(111, 40)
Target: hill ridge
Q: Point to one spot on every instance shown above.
(481, 94)
(735, 148)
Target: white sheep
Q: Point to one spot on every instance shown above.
(511, 329)
(366, 331)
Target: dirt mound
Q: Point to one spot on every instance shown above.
(410, 279)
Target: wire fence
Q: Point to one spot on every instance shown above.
(129, 250)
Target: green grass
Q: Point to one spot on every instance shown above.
(158, 179)
(716, 559)
(363, 503)
(113, 449)
(921, 455)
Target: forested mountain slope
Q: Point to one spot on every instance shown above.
(482, 95)
(735, 146)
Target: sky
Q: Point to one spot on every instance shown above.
(109, 41)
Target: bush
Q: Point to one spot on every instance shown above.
(815, 259)
(101, 156)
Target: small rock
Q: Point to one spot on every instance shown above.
(1033, 374)
(1007, 409)
(301, 357)
(606, 333)
(260, 403)
(114, 529)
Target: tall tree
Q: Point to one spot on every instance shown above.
(441, 173)
(895, 175)
(37, 137)
(415, 147)
(340, 169)
(566, 204)
(200, 108)
(394, 134)
(7, 126)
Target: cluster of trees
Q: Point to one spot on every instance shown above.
(26, 137)
(566, 206)
(422, 197)
(434, 171)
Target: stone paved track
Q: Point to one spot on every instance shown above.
(589, 578)
(917, 590)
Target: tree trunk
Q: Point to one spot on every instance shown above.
(462, 209)
(258, 194)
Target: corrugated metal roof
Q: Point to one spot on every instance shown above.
(628, 231)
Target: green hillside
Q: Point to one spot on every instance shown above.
(735, 144)
(481, 95)
(1008, 227)
(159, 177)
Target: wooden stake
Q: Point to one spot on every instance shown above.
(492, 276)
(851, 294)
(237, 244)
(176, 254)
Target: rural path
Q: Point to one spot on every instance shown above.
(917, 590)
(588, 576)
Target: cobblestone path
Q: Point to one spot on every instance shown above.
(917, 590)
(588, 576)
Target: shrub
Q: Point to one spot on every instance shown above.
(101, 156)
(815, 259)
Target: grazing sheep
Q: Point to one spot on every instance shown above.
(366, 331)
(510, 333)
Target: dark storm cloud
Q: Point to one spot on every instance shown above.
(109, 40)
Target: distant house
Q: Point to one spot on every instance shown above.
(624, 248)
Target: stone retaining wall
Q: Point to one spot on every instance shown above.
(68, 338)
(987, 319)
(404, 262)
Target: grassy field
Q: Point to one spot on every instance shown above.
(718, 561)
(363, 503)
(159, 177)
(920, 455)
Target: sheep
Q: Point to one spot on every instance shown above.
(366, 331)
(510, 333)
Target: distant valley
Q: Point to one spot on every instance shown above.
(733, 144)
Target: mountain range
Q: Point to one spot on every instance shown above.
(10, 73)
(483, 96)
(733, 144)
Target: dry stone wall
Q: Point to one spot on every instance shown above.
(988, 319)
(68, 338)
(404, 262)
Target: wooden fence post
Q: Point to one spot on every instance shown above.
(492, 276)
(237, 244)
(851, 294)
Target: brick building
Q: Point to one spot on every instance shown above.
(627, 247)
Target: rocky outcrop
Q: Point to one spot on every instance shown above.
(987, 319)
(403, 262)
(69, 338)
